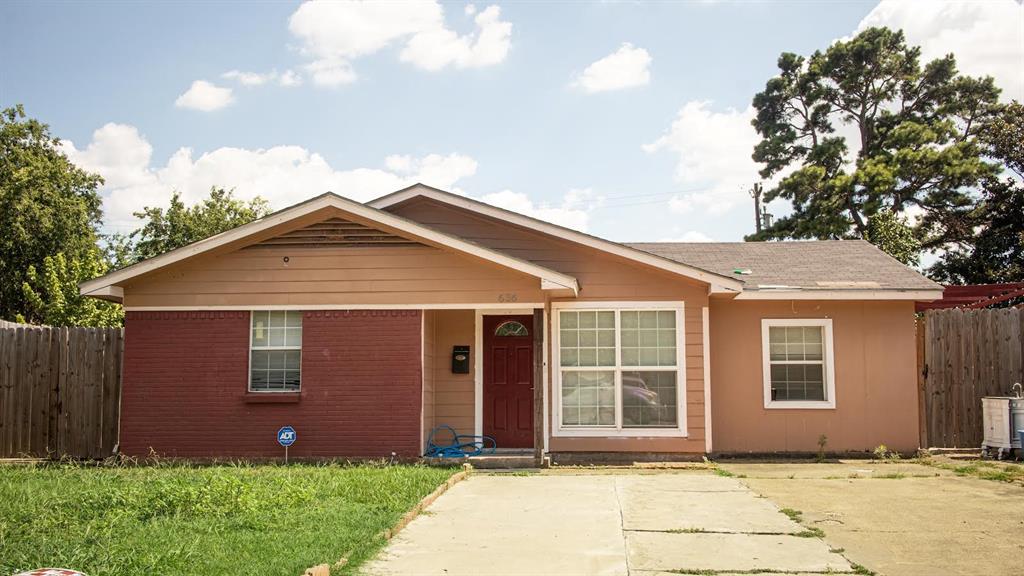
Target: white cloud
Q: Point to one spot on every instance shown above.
(689, 236)
(987, 38)
(289, 78)
(336, 33)
(713, 150)
(438, 47)
(573, 211)
(283, 175)
(627, 67)
(204, 96)
(331, 72)
(251, 79)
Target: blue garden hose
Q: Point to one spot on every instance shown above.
(461, 446)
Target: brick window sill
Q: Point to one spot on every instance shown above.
(272, 397)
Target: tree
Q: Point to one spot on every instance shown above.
(52, 297)
(179, 225)
(915, 136)
(892, 234)
(993, 251)
(47, 205)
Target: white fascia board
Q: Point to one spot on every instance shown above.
(553, 279)
(111, 293)
(719, 283)
(812, 294)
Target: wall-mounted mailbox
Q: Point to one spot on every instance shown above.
(460, 360)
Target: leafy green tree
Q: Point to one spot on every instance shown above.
(47, 205)
(179, 225)
(892, 234)
(52, 297)
(992, 250)
(915, 132)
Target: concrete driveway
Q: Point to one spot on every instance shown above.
(595, 524)
(902, 519)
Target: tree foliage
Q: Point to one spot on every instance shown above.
(993, 250)
(914, 130)
(47, 206)
(52, 297)
(891, 233)
(179, 225)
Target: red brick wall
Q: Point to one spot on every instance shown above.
(186, 386)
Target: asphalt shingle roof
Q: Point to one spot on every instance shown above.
(816, 264)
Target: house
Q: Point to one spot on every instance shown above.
(364, 326)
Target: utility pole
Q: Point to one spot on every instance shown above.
(755, 193)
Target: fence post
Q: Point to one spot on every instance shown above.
(922, 382)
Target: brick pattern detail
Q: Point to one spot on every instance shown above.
(186, 385)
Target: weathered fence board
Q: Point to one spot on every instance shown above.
(966, 355)
(60, 391)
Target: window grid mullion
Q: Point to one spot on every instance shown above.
(618, 372)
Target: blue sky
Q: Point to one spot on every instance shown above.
(628, 120)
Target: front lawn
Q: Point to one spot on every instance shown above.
(225, 519)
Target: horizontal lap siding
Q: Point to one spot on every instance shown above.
(186, 381)
(454, 393)
(330, 276)
(602, 277)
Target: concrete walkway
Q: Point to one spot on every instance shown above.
(614, 524)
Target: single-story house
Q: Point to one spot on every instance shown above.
(364, 326)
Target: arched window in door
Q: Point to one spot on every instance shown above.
(511, 328)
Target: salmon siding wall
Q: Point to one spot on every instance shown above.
(185, 389)
(875, 372)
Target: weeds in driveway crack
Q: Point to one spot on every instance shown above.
(794, 515)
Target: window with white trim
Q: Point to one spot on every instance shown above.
(798, 370)
(620, 370)
(275, 351)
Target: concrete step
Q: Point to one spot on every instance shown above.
(503, 461)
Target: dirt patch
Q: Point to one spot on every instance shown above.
(902, 518)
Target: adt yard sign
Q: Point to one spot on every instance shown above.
(286, 436)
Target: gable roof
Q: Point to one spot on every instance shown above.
(814, 267)
(720, 283)
(108, 286)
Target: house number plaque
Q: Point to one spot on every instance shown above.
(508, 297)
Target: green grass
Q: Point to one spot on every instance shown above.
(984, 469)
(794, 515)
(812, 532)
(224, 519)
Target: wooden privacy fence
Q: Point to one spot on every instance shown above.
(964, 355)
(60, 391)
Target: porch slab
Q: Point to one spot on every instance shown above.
(665, 552)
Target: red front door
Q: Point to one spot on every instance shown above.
(508, 380)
